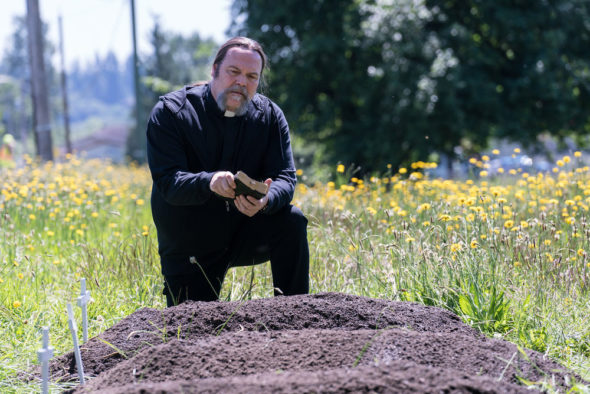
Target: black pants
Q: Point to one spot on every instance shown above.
(280, 238)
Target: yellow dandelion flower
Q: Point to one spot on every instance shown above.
(410, 239)
(20, 275)
(423, 207)
(500, 170)
(577, 154)
(426, 223)
(496, 152)
(483, 236)
(517, 264)
(56, 262)
(581, 252)
(473, 244)
(524, 224)
(299, 172)
(570, 220)
(340, 168)
(455, 247)
(32, 217)
(560, 163)
(145, 233)
(140, 201)
(50, 233)
(566, 159)
(94, 214)
(516, 150)
(16, 304)
(483, 174)
(403, 170)
(508, 223)
(547, 242)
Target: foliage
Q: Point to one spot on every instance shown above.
(15, 91)
(506, 251)
(379, 82)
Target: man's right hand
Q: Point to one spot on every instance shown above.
(223, 184)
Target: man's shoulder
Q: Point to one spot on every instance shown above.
(265, 105)
(176, 100)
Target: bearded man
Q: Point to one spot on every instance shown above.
(197, 139)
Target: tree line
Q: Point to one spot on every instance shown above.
(376, 82)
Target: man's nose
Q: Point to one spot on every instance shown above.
(241, 80)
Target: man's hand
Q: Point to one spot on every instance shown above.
(249, 205)
(223, 184)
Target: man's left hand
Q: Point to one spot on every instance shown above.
(249, 205)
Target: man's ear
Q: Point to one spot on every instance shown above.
(213, 70)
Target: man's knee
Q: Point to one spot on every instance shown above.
(293, 219)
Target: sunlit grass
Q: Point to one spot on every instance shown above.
(506, 250)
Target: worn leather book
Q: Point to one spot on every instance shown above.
(248, 186)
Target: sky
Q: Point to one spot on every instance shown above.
(93, 27)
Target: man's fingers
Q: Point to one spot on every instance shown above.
(230, 181)
(223, 184)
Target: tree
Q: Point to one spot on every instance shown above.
(377, 82)
(522, 66)
(15, 64)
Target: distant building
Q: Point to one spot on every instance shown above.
(108, 142)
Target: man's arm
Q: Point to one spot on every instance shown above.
(279, 164)
(168, 162)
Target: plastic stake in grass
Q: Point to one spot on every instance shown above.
(82, 302)
(72, 325)
(44, 355)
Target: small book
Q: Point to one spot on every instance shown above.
(248, 186)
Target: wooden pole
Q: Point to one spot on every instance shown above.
(136, 150)
(39, 82)
(64, 90)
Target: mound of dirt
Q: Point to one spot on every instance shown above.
(323, 343)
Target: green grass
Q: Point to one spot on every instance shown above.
(448, 244)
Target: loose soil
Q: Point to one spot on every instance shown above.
(326, 342)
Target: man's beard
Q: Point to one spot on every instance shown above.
(222, 99)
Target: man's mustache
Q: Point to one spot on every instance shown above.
(238, 89)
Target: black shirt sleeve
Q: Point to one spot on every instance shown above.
(168, 164)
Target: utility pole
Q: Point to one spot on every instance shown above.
(135, 140)
(38, 81)
(64, 91)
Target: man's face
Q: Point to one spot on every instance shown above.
(236, 79)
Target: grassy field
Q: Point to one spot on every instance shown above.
(509, 253)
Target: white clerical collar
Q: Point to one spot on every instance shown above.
(229, 114)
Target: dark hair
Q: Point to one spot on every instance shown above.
(242, 42)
